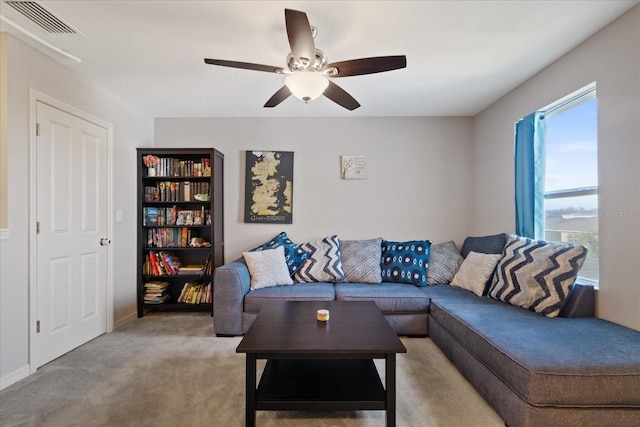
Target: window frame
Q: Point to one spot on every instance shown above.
(583, 95)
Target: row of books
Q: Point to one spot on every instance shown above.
(152, 216)
(156, 292)
(208, 266)
(179, 237)
(161, 264)
(174, 191)
(165, 263)
(196, 293)
(168, 166)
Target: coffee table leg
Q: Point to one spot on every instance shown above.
(250, 406)
(390, 379)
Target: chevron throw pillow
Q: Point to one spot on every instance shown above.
(324, 263)
(537, 275)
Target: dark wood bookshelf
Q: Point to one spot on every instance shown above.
(160, 201)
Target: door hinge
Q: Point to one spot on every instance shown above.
(37, 326)
(37, 227)
(37, 129)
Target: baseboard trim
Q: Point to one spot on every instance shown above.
(14, 377)
(125, 320)
(4, 234)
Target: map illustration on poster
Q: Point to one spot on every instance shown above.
(268, 187)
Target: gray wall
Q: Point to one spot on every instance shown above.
(418, 175)
(611, 58)
(28, 68)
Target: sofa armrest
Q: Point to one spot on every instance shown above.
(581, 302)
(231, 282)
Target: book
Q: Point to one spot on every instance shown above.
(195, 293)
(150, 216)
(156, 292)
(187, 191)
(191, 269)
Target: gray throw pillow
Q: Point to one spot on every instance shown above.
(361, 260)
(444, 263)
(493, 244)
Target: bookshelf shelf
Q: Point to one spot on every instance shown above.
(179, 307)
(172, 224)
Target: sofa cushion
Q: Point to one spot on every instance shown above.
(361, 260)
(444, 262)
(537, 275)
(493, 244)
(294, 254)
(267, 268)
(476, 272)
(389, 297)
(324, 263)
(438, 292)
(547, 361)
(405, 262)
(297, 292)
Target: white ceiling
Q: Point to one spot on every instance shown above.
(461, 55)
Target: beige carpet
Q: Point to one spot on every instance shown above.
(170, 370)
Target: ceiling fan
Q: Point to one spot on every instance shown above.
(307, 71)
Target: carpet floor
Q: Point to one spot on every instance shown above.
(169, 370)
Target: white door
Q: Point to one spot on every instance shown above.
(71, 262)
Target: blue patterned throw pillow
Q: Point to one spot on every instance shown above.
(405, 262)
(536, 274)
(294, 254)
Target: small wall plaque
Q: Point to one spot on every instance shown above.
(354, 167)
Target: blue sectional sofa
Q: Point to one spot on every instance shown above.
(569, 370)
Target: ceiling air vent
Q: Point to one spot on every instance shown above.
(42, 17)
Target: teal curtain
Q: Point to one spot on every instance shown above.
(529, 171)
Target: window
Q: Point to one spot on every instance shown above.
(571, 177)
(557, 175)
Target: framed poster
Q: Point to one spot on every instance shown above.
(268, 196)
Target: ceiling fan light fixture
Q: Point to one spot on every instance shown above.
(306, 85)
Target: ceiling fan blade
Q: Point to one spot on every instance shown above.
(278, 97)
(340, 96)
(357, 67)
(300, 36)
(246, 65)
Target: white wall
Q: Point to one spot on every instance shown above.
(418, 185)
(434, 178)
(612, 59)
(28, 68)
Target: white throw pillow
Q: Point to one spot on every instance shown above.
(475, 271)
(267, 268)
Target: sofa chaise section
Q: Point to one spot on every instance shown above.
(536, 370)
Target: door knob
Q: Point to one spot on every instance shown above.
(105, 241)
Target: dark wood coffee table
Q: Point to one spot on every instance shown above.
(320, 366)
